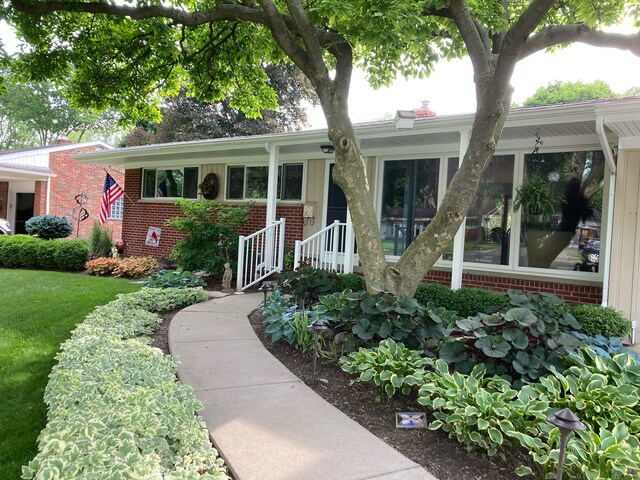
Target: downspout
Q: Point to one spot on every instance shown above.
(458, 240)
(608, 155)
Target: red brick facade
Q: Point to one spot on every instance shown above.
(569, 292)
(40, 199)
(4, 199)
(140, 215)
(73, 178)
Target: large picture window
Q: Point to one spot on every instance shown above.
(562, 231)
(251, 182)
(170, 183)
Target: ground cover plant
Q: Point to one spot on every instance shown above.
(116, 409)
(128, 267)
(39, 310)
(173, 279)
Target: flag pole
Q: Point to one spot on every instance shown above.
(123, 190)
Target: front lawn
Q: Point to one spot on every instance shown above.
(38, 310)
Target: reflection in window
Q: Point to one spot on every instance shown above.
(170, 183)
(567, 236)
(245, 182)
(409, 201)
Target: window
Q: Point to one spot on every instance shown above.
(566, 234)
(115, 209)
(251, 183)
(409, 201)
(173, 183)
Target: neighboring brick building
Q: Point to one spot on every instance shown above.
(47, 180)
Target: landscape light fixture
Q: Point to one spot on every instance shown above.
(317, 326)
(265, 288)
(328, 148)
(567, 422)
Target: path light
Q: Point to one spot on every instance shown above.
(318, 327)
(265, 288)
(567, 422)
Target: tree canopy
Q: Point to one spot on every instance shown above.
(37, 114)
(185, 118)
(570, 92)
(131, 54)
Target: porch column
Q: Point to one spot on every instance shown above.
(458, 240)
(272, 185)
(348, 245)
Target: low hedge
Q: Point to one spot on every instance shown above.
(116, 409)
(468, 302)
(25, 251)
(606, 321)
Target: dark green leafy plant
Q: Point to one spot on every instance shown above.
(173, 279)
(212, 235)
(351, 281)
(390, 367)
(33, 252)
(48, 227)
(523, 340)
(466, 301)
(537, 202)
(606, 321)
(308, 284)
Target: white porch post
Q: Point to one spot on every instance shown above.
(348, 245)
(48, 201)
(272, 185)
(458, 240)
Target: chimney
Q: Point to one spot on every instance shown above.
(423, 110)
(63, 140)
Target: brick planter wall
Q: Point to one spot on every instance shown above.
(569, 292)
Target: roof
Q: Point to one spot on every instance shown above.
(383, 138)
(23, 152)
(24, 172)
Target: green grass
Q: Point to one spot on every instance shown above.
(38, 310)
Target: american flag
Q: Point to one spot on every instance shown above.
(110, 193)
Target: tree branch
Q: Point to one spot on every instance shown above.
(579, 32)
(469, 29)
(525, 25)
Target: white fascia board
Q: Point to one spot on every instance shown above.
(629, 143)
(25, 174)
(57, 148)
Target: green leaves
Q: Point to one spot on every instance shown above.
(390, 367)
(116, 409)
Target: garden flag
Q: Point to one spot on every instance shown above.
(110, 193)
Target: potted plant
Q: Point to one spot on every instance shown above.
(538, 204)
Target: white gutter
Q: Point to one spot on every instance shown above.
(604, 143)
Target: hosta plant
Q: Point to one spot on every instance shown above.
(391, 367)
(173, 279)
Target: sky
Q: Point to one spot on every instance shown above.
(450, 88)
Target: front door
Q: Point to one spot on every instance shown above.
(24, 211)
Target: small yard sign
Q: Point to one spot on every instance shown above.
(411, 420)
(153, 237)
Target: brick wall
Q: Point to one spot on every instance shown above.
(40, 198)
(4, 198)
(73, 178)
(139, 216)
(569, 292)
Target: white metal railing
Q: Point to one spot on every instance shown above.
(260, 254)
(326, 249)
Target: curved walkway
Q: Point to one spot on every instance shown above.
(265, 422)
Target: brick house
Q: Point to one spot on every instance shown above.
(47, 180)
(409, 164)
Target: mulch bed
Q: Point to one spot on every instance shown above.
(444, 458)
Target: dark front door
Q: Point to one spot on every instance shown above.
(336, 201)
(24, 211)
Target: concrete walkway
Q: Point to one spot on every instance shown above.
(265, 422)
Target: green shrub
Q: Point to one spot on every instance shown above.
(173, 279)
(25, 251)
(351, 281)
(161, 299)
(389, 367)
(116, 409)
(212, 237)
(308, 284)
(48, 227)
(468, 302)
(100, 241)
(606, 321)
(71, 255)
